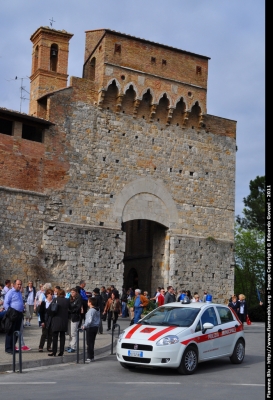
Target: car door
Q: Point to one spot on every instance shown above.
(227, 329)
(208, 344)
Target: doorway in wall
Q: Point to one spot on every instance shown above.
(145, 255)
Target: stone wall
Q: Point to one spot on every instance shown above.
(21, 232)
(108, 151)
(35, 246)
(202, 264)
(74, 252)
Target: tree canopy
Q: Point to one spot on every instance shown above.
(249, 263)
(254, 211)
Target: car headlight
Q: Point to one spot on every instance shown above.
(170, 339)
(121, 336)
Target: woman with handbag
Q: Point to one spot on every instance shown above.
(45, 316)
(112, 309)
(59, 312)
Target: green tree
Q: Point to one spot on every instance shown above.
(249, 263)
(254, 211)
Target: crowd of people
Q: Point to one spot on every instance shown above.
(59, 313)
(62, 312)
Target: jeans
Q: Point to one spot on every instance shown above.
(91, 334)
(124, 309)
(137, 315)
(72, 330)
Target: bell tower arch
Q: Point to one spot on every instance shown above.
(49, 64)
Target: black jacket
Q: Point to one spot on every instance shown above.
(59, 321)
(74, 310)
(99, 302)
(235, 306)
(45, 314)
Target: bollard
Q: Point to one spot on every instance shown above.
(78, 344)
(18, 334)
(113, 329)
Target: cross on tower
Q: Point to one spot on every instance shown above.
(51, 21)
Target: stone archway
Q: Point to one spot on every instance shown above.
(145, 204)
(146, 198)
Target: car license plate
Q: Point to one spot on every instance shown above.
(135, 353)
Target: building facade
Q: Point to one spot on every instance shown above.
(121, 177)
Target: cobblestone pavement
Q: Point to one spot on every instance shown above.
(33, 358)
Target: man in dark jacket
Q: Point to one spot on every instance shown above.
(169, 296)
(84, 298)
(100, 306)
(104, 295)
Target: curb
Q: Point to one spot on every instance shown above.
(52, 360)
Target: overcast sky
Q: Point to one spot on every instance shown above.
(230, 32)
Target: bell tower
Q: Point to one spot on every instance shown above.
(49, 64)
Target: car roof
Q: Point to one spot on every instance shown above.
(192, 305)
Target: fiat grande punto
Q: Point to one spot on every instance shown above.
(181, 335)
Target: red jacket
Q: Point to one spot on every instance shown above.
(160, 300)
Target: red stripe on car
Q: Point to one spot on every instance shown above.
(132, 331)
(160, 333)
(213, 335)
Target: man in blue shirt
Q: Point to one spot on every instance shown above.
(14, 306)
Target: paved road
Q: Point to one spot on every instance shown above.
(105, 378)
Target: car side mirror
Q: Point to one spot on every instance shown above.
(206, 326)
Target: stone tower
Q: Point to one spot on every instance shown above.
(122, 177)
(49, 65)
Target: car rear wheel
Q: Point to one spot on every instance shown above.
(127, 366)
(189, 361)
(238, 354)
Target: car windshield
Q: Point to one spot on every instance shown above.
(171, 316)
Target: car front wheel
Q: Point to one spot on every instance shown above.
(189, 361)
(238, 352)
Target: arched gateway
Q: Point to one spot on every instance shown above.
(146, 211)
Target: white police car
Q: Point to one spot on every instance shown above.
(180, 335)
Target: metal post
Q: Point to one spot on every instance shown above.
(84, 332)
(113, 329)
(78, 344)
(18, 334)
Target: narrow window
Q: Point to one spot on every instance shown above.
(198, 70)
(164, 62)
(53, 57)
(92, 69)
(117, 48)
(153, 60)
(36, 57)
